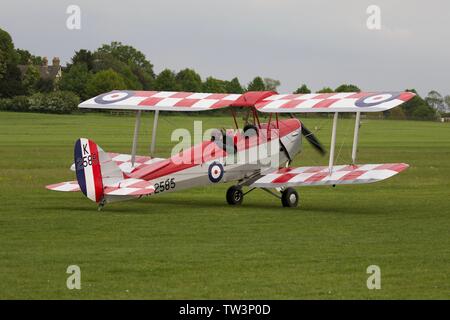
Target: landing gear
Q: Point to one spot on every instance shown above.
(235, 196)
(289, 198)
(101, 204)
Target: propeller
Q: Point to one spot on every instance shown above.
(312, 139)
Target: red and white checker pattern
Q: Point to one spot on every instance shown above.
(164, 101)
(130, 187)
(64, 186)
(126, 187)
(342, 174)
(124, 161)
(331, 102)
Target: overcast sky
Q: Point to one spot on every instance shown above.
(320, 43)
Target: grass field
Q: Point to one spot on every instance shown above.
(193, 245)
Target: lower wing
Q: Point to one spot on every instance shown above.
(319, 176)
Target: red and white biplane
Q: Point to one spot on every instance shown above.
(108, 177)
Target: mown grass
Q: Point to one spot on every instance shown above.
(191, 244)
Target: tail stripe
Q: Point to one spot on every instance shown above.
(96, 171)
(88, 170)
(79, 168)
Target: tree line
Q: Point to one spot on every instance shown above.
(117, 66)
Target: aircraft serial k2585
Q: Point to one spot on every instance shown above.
(109, 177)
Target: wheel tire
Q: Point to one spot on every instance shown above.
(289, 198)
(235, 196)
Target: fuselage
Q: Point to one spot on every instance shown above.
(236, 158)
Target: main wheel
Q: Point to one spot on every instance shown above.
(289, 198)
(235, 195)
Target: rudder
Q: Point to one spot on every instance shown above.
(88, 169)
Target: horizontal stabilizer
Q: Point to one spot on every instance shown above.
(126, 187)
(64, 186)
(124, 161)
(318, 176)
(130, 187)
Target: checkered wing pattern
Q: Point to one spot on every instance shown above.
(124, 161)
(333, 102)
(126, 187)
(160, 100)
(318, 176)
(130, 187)
(68, 186)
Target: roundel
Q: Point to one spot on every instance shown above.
(215, 172)
(376, 99)
(112, 97)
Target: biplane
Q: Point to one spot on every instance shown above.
(106, 177)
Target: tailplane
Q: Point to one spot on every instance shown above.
(100, 178)
(94, 169)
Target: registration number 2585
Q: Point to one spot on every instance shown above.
(165, 185)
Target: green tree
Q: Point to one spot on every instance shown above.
(325, 90)
(25, 58)
(82, 56)
(271, 84)
(303, 89)
(135, 59)
(424, 112)
(105, 81)
(234, 86)
(257, 84)
(189, 80)
(397, 114)
(435, 100)
(104, 61)
(347, 88)
(165, 81)
(10, 76)
(213, 85)
(417, 108)
(31, 79)
(45, 85)
(75, 80)
(447, 103)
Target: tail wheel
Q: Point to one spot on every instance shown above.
(235, 195)
(289, 198)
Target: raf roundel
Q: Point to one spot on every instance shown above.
(113, 97)
(215, 172)
(376, 99)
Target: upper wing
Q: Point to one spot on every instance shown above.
(333, 102)
(343, 174)
(265, 101)
(160, 100)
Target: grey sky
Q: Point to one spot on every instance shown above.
(320, 43)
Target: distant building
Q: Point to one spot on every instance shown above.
(46, 72)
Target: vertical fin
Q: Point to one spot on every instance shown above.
(88, 169)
